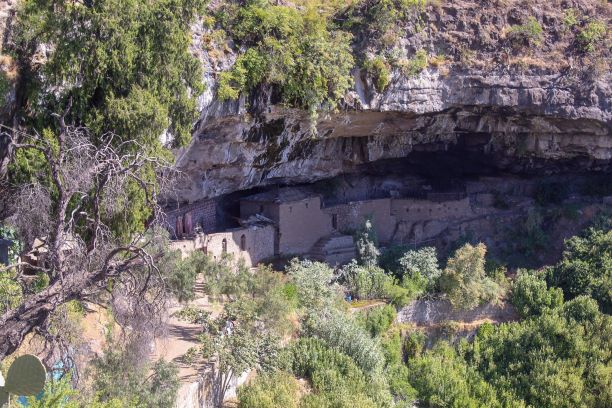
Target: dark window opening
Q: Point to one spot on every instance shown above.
(224, 246)
(335, 221)
(242, 243)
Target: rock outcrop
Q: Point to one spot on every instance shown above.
(515, 122)
(544, 108)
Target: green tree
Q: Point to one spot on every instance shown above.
(550, 360)
(365, 281)
(443, 379)
(586, 268)
(531, 296)
(423, 261)
(114, 66)
(367, 246)
(313, 281)
(464, 279)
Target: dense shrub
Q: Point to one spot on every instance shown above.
(409, 289)
(313, 284)
(294, 49)
(377, 320)
(366, 242)
(365, 282)
(443, 379)
(531, 32)
(531, 296)
(586, 268)
(423, 262)
(464, 279)
(279, 389)
(592, 33)
(377, 67)
(335, 378)
(557, 359)
(342, 333)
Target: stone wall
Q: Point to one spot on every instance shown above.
(428, 312)
(352, 216)
(414, 210)
(203, 213)
(252, 244)
(249, 208)
(301, 225)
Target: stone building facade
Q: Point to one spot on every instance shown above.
(252, 244)
(294, 221)
(297, 215)
(185, 220)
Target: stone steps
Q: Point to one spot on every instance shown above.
(335, 249)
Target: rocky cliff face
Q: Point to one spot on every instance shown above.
(516, 122)
(545, 118)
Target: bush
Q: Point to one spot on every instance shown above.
(443, 379)
(339, 331)
(415, 343)
(531, 296)
(464, 279)
(365, 282)
(378, 69)
(293, 49)
(333, 375)
(531, 32)
(397, 376)
(586, 268)
(415, 65)
(591, 34)
(377, 320)
(279, 389)
(313, 283)
(422, 262)
(367, 245)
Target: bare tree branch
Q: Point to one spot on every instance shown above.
(70, 212)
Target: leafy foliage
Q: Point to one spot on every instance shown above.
(443, 379)
(557, 359)
(367, 245)
(342, 333)
(464, 279)
(531, 32)
(313, 283)
(592, 33)
(279, 389)
(336, 379)
(114, 66)
(296, 50)
(423, 262)
(586, 268)
(365, 282)
(377, 320)
(134, 74)
(531, 296)
(378, 69)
